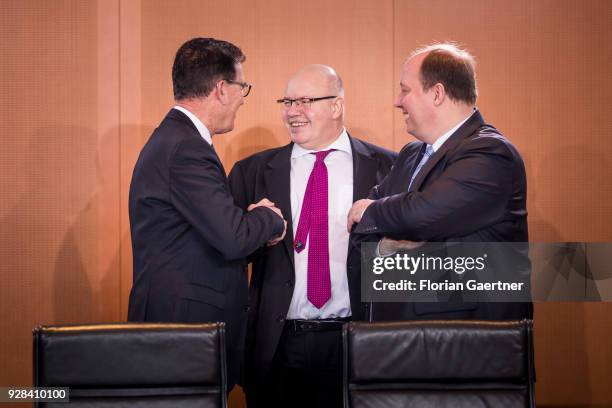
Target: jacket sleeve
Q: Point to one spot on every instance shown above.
(241, 186)
(471, 193)
(199, 190)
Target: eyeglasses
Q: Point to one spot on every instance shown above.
(306, 102)
(245, 88)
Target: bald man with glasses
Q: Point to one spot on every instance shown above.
(305, 286)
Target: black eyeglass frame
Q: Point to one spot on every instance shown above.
(243, 86)
(302, 101)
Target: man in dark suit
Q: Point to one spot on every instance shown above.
(189, 238)
(304, 289)
(460, 181)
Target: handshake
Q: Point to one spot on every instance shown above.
(386, 245)
(264, 202)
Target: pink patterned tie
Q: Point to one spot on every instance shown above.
(313, 226)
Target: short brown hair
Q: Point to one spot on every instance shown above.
(200, 63)
(451, 66)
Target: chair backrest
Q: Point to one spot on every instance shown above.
(124, 364)
(439, 364)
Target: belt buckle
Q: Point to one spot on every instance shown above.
(309, 325)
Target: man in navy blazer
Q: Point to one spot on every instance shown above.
(189, 239)
(461, 181)
(294, 347)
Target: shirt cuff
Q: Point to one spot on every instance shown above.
(379, 255)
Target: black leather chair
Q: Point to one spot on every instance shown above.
(439, 364)
(133, 364)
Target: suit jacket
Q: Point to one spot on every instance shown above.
(267, 174)
(473, 189)
(189, 239)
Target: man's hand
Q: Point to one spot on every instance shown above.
(388, 246)
(356, 212)
(264, 202)
(278, 239)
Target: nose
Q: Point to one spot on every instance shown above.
(398, 101)
(292, 110)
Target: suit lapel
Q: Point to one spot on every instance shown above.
(365, 172)
(365, 169)
(278, 186)
(468, 128)
(431, 163)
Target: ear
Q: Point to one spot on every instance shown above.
(337, 107)
(439, 94)
(221, 92)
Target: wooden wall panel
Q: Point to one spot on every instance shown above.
(543, 76)
(59, 183)
(133, 132)
(353, 36)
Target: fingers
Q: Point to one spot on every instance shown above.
(356, 212)
(388, 246)
(276, 210)
(264, 202)
(351, 218)
(350, 222)
(410, 244)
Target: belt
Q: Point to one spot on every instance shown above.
(316, 325)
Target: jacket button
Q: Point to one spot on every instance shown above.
(280, 319)
(289, 283)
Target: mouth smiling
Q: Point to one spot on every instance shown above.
(296, 124)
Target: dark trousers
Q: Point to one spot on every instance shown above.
(306, 370)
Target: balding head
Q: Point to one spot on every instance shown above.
(314, 125)
(320, 78)
(451, 66)
(437, 90)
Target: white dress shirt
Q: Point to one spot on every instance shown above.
(340, 199)
(197, 122)
(440, 141)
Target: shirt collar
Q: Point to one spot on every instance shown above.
(342, 143)
(438, 143)
(198, 124)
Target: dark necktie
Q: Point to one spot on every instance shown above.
(313, 226)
